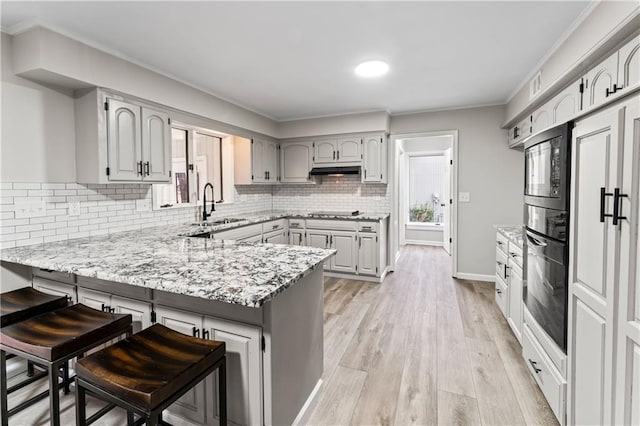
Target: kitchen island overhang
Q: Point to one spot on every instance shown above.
(275, 292)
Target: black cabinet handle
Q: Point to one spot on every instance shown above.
(196, 332)
(334, 155)
(603, 195)
(139, 168)
(616, 206)
(499, 263)
(498, 291)
(338, 156)
(326, 240)
(205, 334)
(104, 308)
(146, 168)
(505, 271)
(534, 364)
(300, 238)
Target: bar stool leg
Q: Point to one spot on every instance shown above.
(30, 369)
(54, 395)
(81, 406)
(4, 408)
(222, 391)
(65, 377)
(130, 419)
(153, 418)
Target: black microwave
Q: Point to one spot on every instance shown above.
(547, 168)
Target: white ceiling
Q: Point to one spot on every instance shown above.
(290, 60)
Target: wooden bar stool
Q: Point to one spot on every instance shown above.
(50, 340)
(22, 304)
(147, 372)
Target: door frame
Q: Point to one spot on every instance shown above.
(394, 182)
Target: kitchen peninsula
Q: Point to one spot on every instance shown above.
(264, 300)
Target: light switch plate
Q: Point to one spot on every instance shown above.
(464, 197)
(74, 209)
(26, 209)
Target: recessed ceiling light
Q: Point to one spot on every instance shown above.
(372, 69)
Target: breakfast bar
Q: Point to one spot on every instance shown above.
(264, 300)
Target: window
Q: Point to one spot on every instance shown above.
(426, 180)
(196, 160)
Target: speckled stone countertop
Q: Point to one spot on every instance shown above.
(246, 274)
(513, 233)
(198, 228)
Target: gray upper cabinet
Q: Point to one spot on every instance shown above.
(324, 151)
(121, 140)
(601, 82)
(348, 150)
(295, 162)
(567, 104)
(374, 163)
(629, 65)
(255, 161)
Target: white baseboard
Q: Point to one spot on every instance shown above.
(424, 243)
(369, 278)
(309, 405)
(476, 277)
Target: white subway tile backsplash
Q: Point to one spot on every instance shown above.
(53, 186)
(30, 241)
(29, 228)
(26, 185)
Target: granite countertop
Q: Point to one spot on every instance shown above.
(248, 274)
(513, 233)
(202, 227)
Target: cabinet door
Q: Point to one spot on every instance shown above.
(156, 146)
(258, 152)
(191, 405)
(515, 299)
(297, 238)
(567, 104)
(597, 149)
(324, 151)
(53, 287)
(600, 81)
(140, 311)
(348, 150)
(277, 237)
(541, 118)
(94, 299)
(124, 141)
(252, 239)
(320, 239)
(374, 163)
(368, 254)
(295, 161)
(244, 372)
(629, 65)
(271, 161)
(345, 259)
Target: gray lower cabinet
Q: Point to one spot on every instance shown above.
(320, 239)
(297, 237)
(345, 259)
(140, 311)
(275, 237)
(244, 369)
(368, 254)
(56, 288)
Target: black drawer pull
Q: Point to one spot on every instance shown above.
(616, 206)
(205, 334)
(603, 195)
(196, 332)
(534, 364)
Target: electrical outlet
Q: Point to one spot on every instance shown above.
(26, 209)
(74, 209)
(143, 205)
(464, 197)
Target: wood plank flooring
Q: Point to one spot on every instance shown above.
(419, 349)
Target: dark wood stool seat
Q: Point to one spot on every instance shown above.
(148, 371)
(53, 338)
(24, 303)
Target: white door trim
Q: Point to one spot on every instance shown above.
(394, 224)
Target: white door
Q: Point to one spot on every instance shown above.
(295, 161)
(297, 238)
(567, 104)
(258, 152)
(596, 172)
(541, 118)
(192, 405)
(94, 299)
(373, 159)
(345, 259)
(368, 254)
(124, 141)
(324, 151)
(156, 146)
(271, 161)
(320, 239)
(600, 81)
(349, 150)
(447, 182)
(140, 311)
(244, 372)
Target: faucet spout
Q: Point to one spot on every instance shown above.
(206, 214)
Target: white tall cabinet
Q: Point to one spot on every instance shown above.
(604, 331)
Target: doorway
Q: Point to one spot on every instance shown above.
(424, 187)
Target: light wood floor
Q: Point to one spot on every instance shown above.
(421, 348)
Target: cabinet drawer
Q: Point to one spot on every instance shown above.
(338, 225)
(273, 225)
(515, 254)
(368, 226)
(501, 264)
(239, 233)
(547, 377)
(296, 223)
(56, 288)
(62, 277)
(502, 242)
(502, 296)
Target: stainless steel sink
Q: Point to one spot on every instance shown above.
(218, 222)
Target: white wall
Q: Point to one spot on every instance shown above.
(492, 173)
(351, 123)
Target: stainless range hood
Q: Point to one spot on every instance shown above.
(328, 171)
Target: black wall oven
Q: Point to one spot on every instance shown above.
(546, 214)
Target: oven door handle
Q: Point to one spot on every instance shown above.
(536, 242)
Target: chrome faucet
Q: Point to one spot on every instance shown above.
(206, 214)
